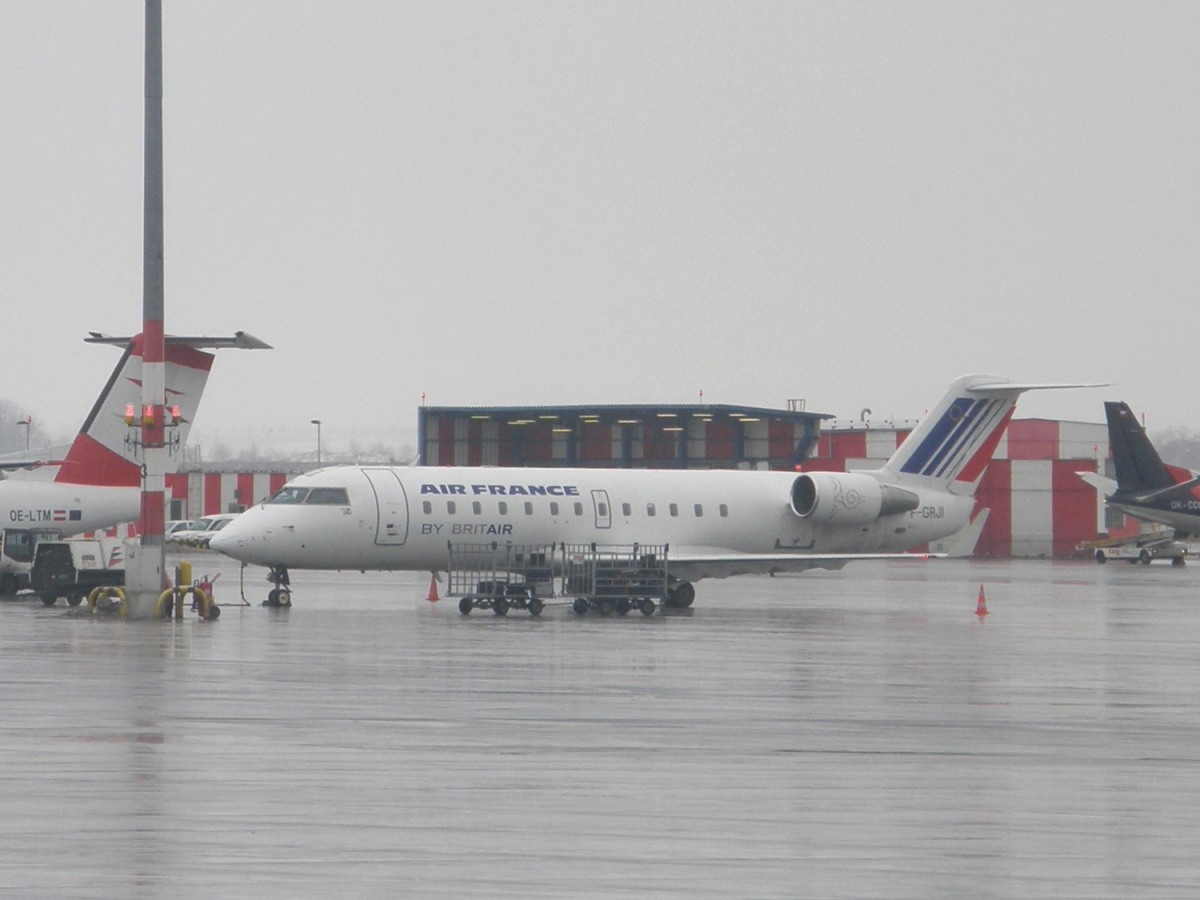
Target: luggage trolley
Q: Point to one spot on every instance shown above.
(615, 578)
(500, 577)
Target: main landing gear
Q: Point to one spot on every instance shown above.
(680, 595)
(280, 594)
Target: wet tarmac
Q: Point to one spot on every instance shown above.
(852, 734)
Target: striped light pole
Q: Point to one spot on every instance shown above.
(144, 579)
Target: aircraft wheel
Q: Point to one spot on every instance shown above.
(535, 606)
(623, 606)
(1100, 557)
(48, 599)
(1144, 557)
(646, 606)
(683, 595)
(580, 606)
(8, 584)
(465, 606)
(278, 597)
(500, 606)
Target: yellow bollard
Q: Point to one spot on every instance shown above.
(162, 599)
(100, 593)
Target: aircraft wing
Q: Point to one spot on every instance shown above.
(694, 563)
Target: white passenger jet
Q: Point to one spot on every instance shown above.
(716, 522)
(98, 483)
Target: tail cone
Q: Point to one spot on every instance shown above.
(433, 591)
(981, 609)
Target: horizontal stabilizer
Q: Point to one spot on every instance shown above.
(241, 340)
(1013, 387)
(1105, 486)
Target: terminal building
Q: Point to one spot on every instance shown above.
(690, 436)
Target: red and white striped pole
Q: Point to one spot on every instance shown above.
(144, 579)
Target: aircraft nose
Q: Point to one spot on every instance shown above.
(226, 539)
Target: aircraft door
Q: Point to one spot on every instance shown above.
(391, 507)
(603, 509)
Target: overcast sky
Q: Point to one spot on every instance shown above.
(504, 203)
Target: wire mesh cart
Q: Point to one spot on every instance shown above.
(501, 577)
(615, 578)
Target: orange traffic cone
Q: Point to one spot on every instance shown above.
(981, 609)
(433, 592)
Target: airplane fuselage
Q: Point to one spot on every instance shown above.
(1181, 513)
(405, 518)
(70, 508)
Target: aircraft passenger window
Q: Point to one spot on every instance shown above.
(674, 509)
(476, 507)
(626, 510)
(528, 508)
(503, 508)
(289, 495)
(579, 509)
(328, 497)
(649, 509)
(451, 509)
(699, 508)
(427, 507)
(724, 510)
(553, 508)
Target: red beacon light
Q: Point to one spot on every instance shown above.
(130, 418)
(148, 414)
(176, 416)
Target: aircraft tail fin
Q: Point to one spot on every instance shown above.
(951, 447)
(102, 453)
(1139, 467)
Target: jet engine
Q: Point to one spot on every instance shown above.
(848, 498)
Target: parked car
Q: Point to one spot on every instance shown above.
(177, 525)
(204, 530)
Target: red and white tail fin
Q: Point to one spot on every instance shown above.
(103, 452)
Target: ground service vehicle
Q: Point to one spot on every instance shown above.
(72, 569)
(16, 555)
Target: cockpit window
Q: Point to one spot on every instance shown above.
(328, 497)
(289, 495)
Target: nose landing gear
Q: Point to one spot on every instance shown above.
(281, 594)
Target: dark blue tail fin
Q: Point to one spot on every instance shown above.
(1139, 467)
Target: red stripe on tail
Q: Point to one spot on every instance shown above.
(90, 462)
(974, 468)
